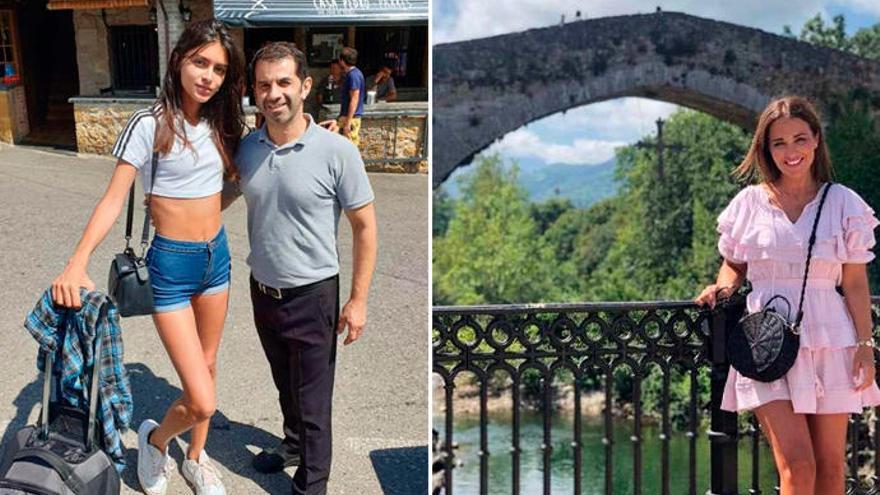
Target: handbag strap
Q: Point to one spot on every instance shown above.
(145, 233)
(129, 216)
(800, 313)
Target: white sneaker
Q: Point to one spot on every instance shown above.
(154, 467)
(203, 475)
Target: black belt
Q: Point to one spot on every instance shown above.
(276, 293)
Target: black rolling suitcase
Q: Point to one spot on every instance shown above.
(61, 455)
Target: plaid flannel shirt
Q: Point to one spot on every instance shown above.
(70, 335)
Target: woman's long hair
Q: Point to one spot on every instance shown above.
(758, 164)
(223, 111)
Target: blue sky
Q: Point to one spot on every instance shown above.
(589, 134)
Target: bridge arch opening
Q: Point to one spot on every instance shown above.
(486, 88)
(563, 153)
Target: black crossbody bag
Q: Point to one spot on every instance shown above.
(128, 283)
(764, 345)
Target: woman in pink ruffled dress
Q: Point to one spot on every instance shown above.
(765, 232)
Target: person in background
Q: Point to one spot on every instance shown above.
(351, 96)
(328, 88)
(383, 83)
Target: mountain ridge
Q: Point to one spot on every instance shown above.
(584, 184)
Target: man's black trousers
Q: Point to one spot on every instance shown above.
(298, 334)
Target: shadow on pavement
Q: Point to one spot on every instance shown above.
(401, 470)
(227, 440)
(27, 398)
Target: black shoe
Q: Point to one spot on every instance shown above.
(272, 460)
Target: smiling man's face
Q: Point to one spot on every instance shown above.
(278, 91)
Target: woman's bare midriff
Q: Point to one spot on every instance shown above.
(196, 219)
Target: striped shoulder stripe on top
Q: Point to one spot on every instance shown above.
(125, 135)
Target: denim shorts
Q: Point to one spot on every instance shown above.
(180, 270)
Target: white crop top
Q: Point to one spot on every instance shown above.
(192, 171)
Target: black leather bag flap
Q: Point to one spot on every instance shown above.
(129, 285)
(126, 263)
(765, 333)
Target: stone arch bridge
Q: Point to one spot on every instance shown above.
(485, 88)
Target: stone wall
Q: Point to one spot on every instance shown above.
(377, 141)
(98, 125)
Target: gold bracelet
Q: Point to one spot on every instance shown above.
(869, 342)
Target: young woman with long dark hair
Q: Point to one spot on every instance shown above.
(765, 233)
(195, 126)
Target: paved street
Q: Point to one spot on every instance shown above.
(380, 409)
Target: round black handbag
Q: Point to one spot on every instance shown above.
(764, 345)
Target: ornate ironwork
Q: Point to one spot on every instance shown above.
(589, 344)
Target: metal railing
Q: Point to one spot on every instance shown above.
(590, 343)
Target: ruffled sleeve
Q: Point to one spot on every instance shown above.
(730, 223)
(856, 235)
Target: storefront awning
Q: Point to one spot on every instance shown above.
(95, 4)
(264, 13)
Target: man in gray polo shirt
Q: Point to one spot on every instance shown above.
(297, 178)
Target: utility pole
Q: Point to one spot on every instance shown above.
(660, 147)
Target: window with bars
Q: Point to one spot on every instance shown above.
(135, 57)
(10, 64)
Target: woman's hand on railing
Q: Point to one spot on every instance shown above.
(863, 367)
(65, 287)
(710, 295)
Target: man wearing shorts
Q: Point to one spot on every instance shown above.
(351, 96)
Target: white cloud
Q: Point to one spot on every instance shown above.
(524, 143)
(868, 6)
(482, 19)
(624, 119)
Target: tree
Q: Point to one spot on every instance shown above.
(492, 252)
(854, 145)
(816, 32)
(864, 43)
(548, 212)
(442, 208)
(597, 231)
(664, 243)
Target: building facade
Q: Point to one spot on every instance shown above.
(74, 70)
